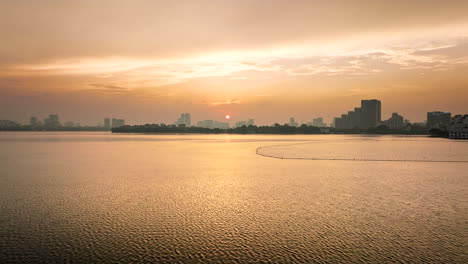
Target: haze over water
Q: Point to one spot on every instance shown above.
(102, 198)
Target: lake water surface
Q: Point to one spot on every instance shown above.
(127, 198)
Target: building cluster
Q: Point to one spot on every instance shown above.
(439, 120)
(364, 117)
(49, 122)
(317, 122)
(456, 127)
(213, 124)
(53, 122)
(184, 120)
(396, 121)
(369, 115)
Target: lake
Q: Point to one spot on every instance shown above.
(97, 197)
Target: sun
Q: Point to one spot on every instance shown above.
(227, 117)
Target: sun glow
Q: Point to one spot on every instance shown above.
(228, 117)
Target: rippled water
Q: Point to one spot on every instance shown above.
(103, 198)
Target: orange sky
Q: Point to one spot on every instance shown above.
(148, 61)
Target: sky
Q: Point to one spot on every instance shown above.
(147, 61)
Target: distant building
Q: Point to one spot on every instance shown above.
(337, 122)
(394, 122)
(117, 122)
(205, 123)
(343, 122)
(33, 121)
(458, 128)
(52, 121)
(107, 123)
(292, 122)
(318, 122)
(184, 119)
(250, 122)
(437, 119)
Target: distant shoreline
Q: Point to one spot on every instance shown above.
(263, 130)
(244, 130)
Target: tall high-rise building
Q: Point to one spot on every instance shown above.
(107, 124)
(187, 119)
(371, 113)
(438, 119)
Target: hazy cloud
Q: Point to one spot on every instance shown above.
(39, 31)
(226, 102)
(109, 87)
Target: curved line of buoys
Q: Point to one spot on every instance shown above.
(258, 152)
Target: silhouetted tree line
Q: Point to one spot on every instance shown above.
(276, 129)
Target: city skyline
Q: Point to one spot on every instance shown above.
(364, 117)
(136, 61)
(185, 119)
